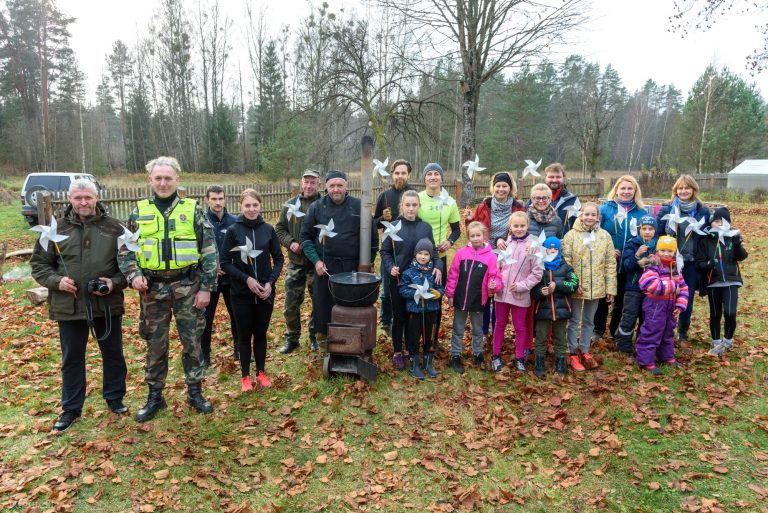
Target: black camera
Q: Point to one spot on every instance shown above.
(97, 286)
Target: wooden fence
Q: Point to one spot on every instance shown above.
(121, 200)
(661, 184)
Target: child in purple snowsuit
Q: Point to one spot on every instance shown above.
(666, 295)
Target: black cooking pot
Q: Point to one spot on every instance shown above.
(354, 289)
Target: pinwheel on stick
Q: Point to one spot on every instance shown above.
(48, 233)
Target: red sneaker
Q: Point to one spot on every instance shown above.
(576, 363)
(263, 380)
(245, 384)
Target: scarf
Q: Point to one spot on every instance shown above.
(628, 205)
(689, 207)
(554, 264)
(512, 237)
(500, 214)
(540, 217)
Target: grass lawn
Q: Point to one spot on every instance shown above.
(695, 439)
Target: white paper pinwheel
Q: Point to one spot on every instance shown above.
(574, 209)
(422, 291)
(294, 209)
(472, 166)
(633, 226)
(724, 230)
(326, 230)
(128, 239)
(621, 216)
(390, 230)
(247, 251)
(531, 168)
(589, 239)
(381, 167)
(694, 226)
(443, 199)
(673, 219)
(48, 233)
(540, 255)
(505, 255)
(680, 262)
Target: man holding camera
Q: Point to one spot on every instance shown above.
(85, 295)
(174, 271)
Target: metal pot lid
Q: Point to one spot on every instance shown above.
(355, 278)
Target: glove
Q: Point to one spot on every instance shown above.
(387, 214)
(435, 293)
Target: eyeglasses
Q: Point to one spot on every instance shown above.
(540, 198)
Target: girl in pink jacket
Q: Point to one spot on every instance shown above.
(471, 281)
(515, 296)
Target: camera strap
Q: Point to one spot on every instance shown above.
(92, 323)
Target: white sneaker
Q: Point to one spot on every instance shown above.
(717, 350)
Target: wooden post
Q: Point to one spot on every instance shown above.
(44, 207)
(3, 252)
(181, 191)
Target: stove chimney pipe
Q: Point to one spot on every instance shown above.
(366, 202)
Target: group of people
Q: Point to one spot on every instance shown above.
(551, 265)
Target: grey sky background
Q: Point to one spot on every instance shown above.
(631, 35)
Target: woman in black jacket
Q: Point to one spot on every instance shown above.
(396, 257)
(252, 258)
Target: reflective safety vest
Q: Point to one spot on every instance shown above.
(167, 243)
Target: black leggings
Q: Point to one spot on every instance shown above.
(252, 324)
(399, 315)
(723, 302)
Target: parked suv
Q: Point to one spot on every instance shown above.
(53, 182)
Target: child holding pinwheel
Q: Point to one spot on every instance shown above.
(666, 296)
(635, 254)
(471, 282)
(718, 257)
(552, 307)
(252, 258)
(514, 298)
(589, 250)
(422, 300)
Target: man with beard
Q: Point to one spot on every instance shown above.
(388, 209)
(331, 255)
(554, 177)
(300, 273)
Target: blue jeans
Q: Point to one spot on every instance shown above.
(385, 301)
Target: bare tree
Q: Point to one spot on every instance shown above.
(488, 37)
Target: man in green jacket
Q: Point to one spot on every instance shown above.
(174, 271)
(85, 296)
(301, 272)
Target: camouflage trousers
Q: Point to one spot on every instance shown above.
(298, 280)
(161, 302)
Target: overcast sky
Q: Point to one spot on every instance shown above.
(631, 35)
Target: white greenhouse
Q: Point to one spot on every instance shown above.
(749, 175)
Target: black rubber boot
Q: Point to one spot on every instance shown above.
(415, 369)
(155, 403)
(560, 365)
(428, 360)
(289, 347)
(539, 369)
(196, 400)
(456, 364)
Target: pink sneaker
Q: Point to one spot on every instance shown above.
(263, 380)
(245, 384)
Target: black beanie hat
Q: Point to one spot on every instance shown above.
(424, 245)
(335, 173)
(721, 213)
(502, 177)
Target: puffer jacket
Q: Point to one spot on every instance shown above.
(557, 306)
(525, 272)
(416, 274)
(686, 245)
(708, 259)
(619, 232)
(89, 252)
(596, 269)
(658, 283)
(629, 261)
(470, 276)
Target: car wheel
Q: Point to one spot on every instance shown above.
(30, 195)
